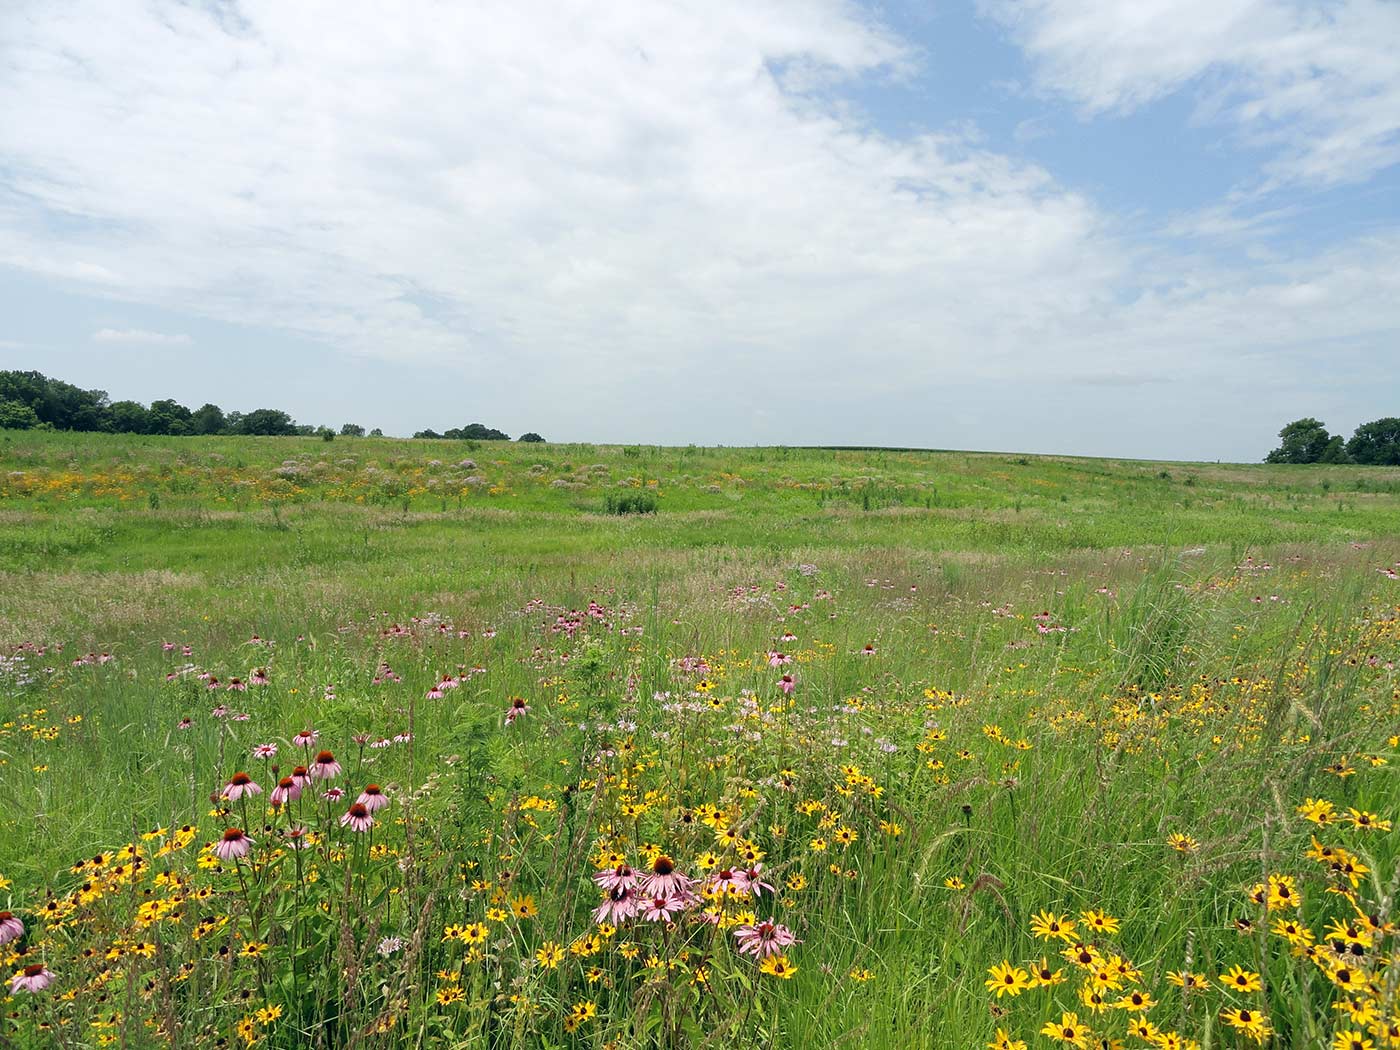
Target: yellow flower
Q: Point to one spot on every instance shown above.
(778, 966)
(1100, 922)
(1068, 1029)
(1003, 1041)
(1007, 979)
(524, 907)
(1241, 980)
(550, 954)
(449, 995)
(1048, 926)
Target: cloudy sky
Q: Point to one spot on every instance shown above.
(1156, 228)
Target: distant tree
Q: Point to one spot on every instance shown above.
(233, 423)
(61, 405)
(207, 419)
(266, 422)
(16, 415)
(427, 434)
(376, 433)
(169, 417)
(531, 437)
(476, 432)
(1303, 442)
(325, 433)
(128, 417)
(1335, 451)
(1376, 442)
(352, 430)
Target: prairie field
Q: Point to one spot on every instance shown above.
(389, 743)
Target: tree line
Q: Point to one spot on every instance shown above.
(33, 401)
(1306, 440)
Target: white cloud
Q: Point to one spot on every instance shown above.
(139, 335)
(606, 211)
(1315, 83)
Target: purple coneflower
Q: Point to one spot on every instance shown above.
(325, 767)
(518, 706)
(753, 880)
(301, 776)
(787, 683)
(618, 906)
(661, 909)
(11, 929)
(334, 795)
(623, 876)
(258, 676)
(299, 838)
(305, 738)
(265, 751)
(185, 723)
(776, 659)
(372, 798)
(237, 685)
(357, 818)
(233, 845)
(287, 790)
(665, 880)
(31, 979)
(241, 784)
(764, 938)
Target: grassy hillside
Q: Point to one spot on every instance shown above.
(926, 696)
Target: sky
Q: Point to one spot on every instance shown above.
(1149, 228)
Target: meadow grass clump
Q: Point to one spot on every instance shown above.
(318, 773)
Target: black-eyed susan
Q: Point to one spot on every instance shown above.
(1007, 979)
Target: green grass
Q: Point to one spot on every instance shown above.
(1192, 690)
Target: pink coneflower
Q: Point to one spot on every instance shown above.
(728, 880)
(237, 685)
(618, 906)
(185, 723)
(764, 938)
(167, 646)
(220, 712)
(265, 751)
(186, 650)
(258, 676)
(787, 683)
(868, 649)
(306, 738)
(233, 845)
(372, 798)
(753, 879)
(788, 636)
(11, 929)
(660, 909)
(334, 795)
(239, 785)
(665, 880)
(381, 743)
(325, 767)
(211, 682)
(301, 776)
(776, 659)
(621, 877)
(287, 790)
(31, 979)
(299, 838)
(518, 706)
(357, 818)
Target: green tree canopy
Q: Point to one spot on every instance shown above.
(1303, 441)
(1376, 442)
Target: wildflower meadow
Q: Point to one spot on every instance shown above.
(383, 743)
